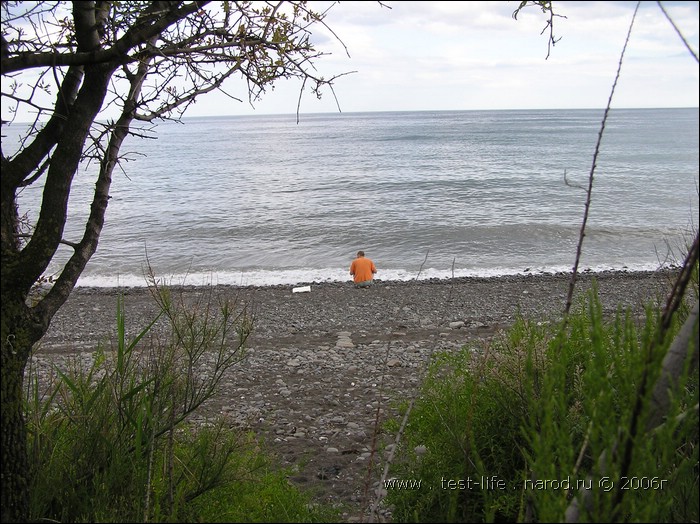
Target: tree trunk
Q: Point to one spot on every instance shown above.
(23, 326)
(20, 331)
(683, 351)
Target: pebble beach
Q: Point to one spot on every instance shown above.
(322, 367)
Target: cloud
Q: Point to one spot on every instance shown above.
(475, 55)
(456, 55)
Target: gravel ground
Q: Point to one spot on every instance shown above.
(323, 368)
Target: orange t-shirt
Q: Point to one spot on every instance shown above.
(362, 269)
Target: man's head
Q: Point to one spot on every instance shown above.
(360, 253)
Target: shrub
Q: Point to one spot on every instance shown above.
(111, 439)
(543, 411)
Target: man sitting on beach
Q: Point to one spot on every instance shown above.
(362, 270)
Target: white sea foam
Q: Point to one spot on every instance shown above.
(294, 277)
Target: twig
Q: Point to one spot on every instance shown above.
(376, 420)
(399, 434)
(675, 27)
(589, 191)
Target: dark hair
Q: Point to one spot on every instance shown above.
(360, 253)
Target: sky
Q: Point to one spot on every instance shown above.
(414, 56)
(431, 55)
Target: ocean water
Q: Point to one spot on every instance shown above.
(264, 200)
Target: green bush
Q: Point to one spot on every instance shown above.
(111, 440)
(546, 409)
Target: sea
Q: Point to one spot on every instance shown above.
(289, 199)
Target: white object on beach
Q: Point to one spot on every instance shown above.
(303, 289)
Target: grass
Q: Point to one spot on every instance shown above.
(111, 439)
(515, 431)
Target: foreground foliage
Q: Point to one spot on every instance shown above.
(532, 429)
(111, 438)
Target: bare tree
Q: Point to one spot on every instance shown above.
(141, 61)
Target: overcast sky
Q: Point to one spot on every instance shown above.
(474, 55)
(426, 55)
